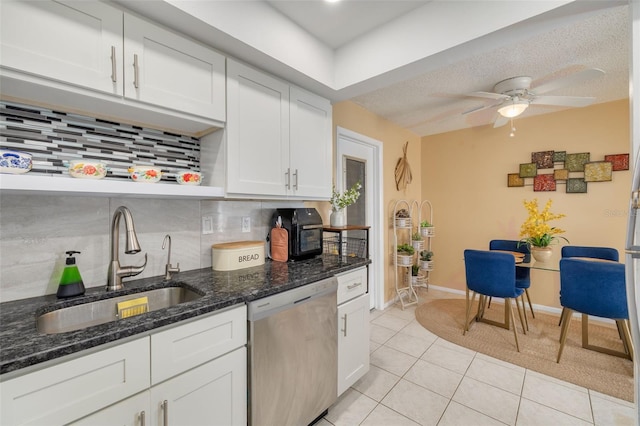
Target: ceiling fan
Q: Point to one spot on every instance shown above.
(514, 95)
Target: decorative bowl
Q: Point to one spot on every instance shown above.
(189, 177)
(14, 162)
(87, 169)
(145, 174)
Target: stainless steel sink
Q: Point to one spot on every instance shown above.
(102, 311)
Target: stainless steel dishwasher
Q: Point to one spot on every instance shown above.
(293, 356)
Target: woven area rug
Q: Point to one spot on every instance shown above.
(539, 348)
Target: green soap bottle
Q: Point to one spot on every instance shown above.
(71, 282)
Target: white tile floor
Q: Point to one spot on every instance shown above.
(417, 378)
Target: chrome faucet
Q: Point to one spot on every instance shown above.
(168, 269)
(117, 272)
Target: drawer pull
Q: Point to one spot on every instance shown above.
(135, 71)
(295, 185)
(288, 175)
(352, 286)
(142, 421)
(165, 412)
(113, 64)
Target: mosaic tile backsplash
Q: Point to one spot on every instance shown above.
(53, 137)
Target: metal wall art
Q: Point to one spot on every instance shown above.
(574, 170)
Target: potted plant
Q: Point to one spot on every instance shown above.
(415, 274)
(403, 219)
(416, 241)
(425, 260)
(339, 201)
(405, 254)
(538, 234)
(427, 229)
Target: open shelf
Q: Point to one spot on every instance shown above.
(63, 185)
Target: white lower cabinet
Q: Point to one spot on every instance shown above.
(353, 328)
(212, 394)
(113, 386)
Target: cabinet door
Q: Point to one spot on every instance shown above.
(311, 145)
(353, 341)
(257, 132)
(212, 394)
(183, 347)
(74, 42)
(70, 390)
(165, 69)
(133, 411)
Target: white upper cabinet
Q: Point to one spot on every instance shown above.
(278, 138)
(76, 55)
(75, 42)
(311, 144)
(164, 69)
(257, 132)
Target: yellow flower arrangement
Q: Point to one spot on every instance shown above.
(535, 230)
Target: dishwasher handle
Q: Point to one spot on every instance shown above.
(271, 305)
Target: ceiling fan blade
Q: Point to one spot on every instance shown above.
(569, 80)
(483, 107)
(490, 95)
(569, 101)
(500, 121)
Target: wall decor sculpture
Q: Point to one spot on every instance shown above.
(574, 170)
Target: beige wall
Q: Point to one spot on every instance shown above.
(355, 118)
(464, 175)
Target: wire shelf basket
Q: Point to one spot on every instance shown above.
(351, 247)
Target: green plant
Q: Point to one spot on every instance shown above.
(340, 201)
(416, 236)
(425, 224)
(415, 270)
(406, 249)
(426, 255)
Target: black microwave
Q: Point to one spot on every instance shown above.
(304, 227)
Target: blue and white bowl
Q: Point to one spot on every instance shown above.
(14, 162)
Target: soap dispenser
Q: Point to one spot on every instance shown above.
(71, 282)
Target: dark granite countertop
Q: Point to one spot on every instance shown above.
(21, 345)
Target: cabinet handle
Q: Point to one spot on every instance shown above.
(135, 71)
(352, 286)
(142, 421)
(165, 412)
(344, 330)
(113, 64)
(288, 175)
(295, 186)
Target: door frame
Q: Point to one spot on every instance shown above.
(376, 238)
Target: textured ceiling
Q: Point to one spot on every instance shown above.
(433, 103)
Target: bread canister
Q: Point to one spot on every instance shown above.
(237, 255)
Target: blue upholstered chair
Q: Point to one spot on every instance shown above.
(523, 279)
(492, 274)
(596, 288)
(606, 253)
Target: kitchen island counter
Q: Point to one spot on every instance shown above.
(23, 346)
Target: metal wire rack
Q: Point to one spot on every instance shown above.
(351, 247)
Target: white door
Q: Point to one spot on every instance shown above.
(359, 156)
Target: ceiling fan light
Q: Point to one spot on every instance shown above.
(513, 109)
